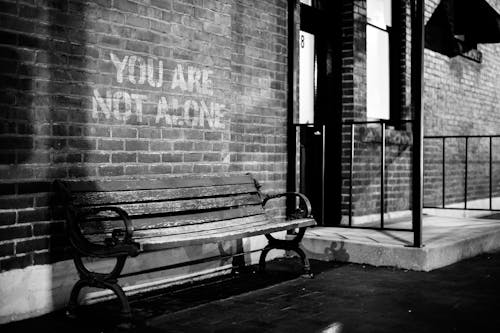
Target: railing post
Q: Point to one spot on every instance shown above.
(382, 176)
(444, 172)
(417, 73)
(491, 173)
(350, 174)
(466, 170)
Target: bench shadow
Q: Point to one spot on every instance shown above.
(156, 306)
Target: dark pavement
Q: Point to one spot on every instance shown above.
(464, 297)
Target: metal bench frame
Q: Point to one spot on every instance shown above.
(121, 245)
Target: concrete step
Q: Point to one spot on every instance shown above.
(446, 240)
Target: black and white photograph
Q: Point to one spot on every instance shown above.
(322, 166)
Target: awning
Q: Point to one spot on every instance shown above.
(457, 26)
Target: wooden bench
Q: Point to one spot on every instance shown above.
(124, 217)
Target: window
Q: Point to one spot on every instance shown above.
(378, 27)
(307, 78)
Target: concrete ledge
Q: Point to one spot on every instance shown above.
(382, 248)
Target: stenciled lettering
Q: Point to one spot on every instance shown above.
(194, 112)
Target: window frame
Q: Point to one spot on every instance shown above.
(396, 42)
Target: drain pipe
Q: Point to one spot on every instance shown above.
(417, 61)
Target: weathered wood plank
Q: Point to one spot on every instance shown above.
(204, 228)
(153, 183)
(117, 197)
(148, 222)
(236, 232)
(212, 227)
(238, 228)
(179, 206)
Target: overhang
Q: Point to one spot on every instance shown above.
(457, 26)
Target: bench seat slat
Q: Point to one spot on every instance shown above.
(117, 197)
(146, 208)
(230, 233)
(180, 231)
(202, 228)
(147, 222)
(153, 183)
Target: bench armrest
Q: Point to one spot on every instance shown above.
(113, 246)
(304, 201)
(129, 228)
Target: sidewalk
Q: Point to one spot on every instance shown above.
(464, 297)
(447, 239)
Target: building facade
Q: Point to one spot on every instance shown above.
(108, 88)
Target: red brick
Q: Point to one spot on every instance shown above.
(124, 157)
(32, 245)
(111, 170)
(171, 158)
(55, 255)
(7, 189)
(7, 217)
(134, 145)
(48, 228)
(161, 146)
(136, 169)
(161, 169)
(110, 145)
(16, 202)
(16, 262)
(149, 158)
(14, 232)
(6, 249)
(33, 215)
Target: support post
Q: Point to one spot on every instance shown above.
(466, 171)
(382, 175)
(417, 59)
(491, 173)
(292, 100)
(444, 173)
(351, 171)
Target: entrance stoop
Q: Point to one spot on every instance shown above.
(446, 240)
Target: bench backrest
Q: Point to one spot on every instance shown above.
(155, 203)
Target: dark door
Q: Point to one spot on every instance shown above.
(319, 123)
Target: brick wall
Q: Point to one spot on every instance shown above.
(124, 88)
(461, 97)
(366, 189)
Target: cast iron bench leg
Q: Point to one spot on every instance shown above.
(287, 245)
(102, 281)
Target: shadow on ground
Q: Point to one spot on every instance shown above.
(342, 298)
(104, 317)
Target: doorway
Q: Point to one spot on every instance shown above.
(317, 119)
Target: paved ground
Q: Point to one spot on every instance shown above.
(464, 297)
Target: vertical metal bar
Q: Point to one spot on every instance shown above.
(491, 173)
(323, 173)
(444, 172)
(417, 61)
(292, 100)
(382, 177)
(466, 170)
(350, 174)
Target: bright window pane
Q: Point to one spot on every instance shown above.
(306, 2)
(306, 78)
(377, 73)
(378, 13)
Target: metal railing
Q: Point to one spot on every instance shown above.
(383, 126)
(467, 139)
